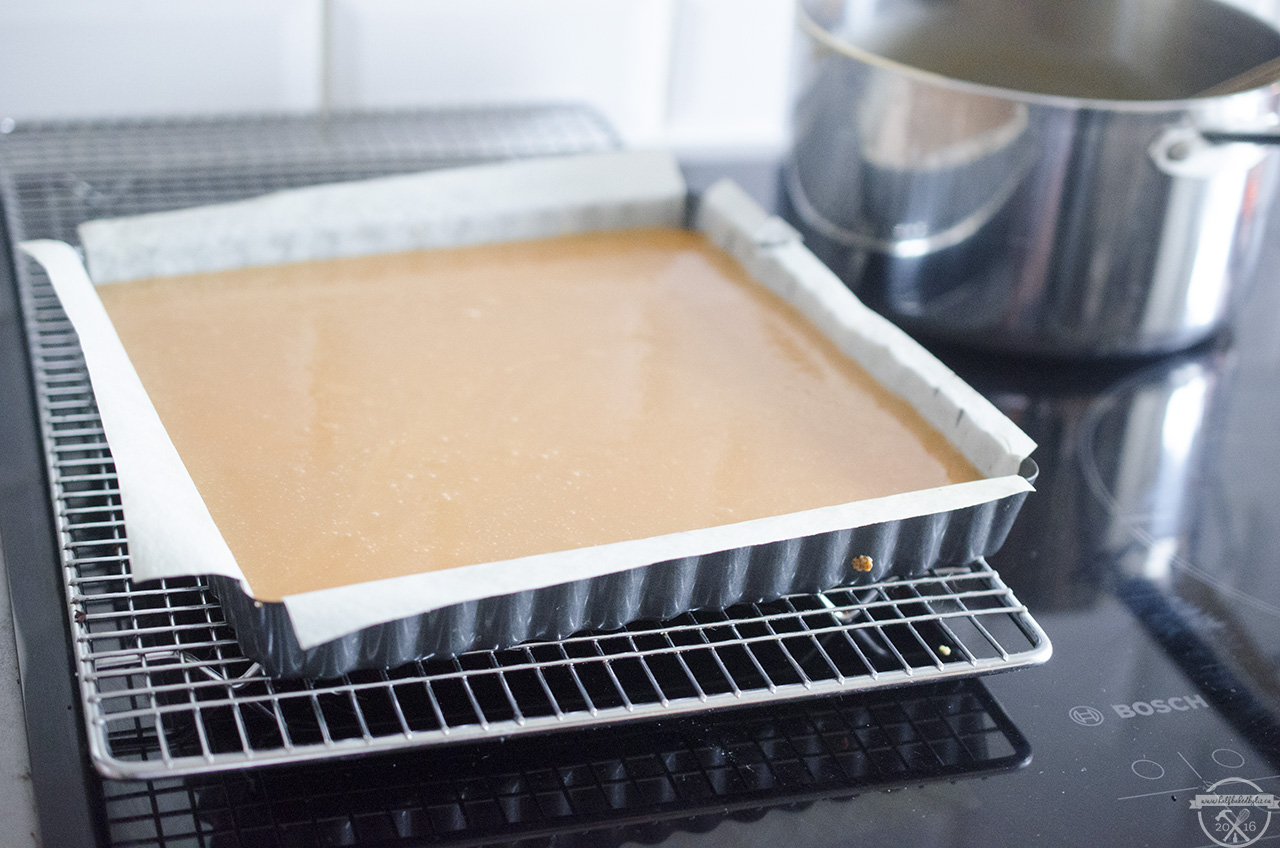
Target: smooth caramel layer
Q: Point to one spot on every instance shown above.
(354, 419)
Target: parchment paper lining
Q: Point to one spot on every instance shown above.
(170, 530)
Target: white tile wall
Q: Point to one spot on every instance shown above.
(69, 58)
(730, 73)
(614, 54)
(695, 74)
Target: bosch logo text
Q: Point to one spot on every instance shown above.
(1160, 705)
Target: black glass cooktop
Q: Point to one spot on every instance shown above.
(1148, 554)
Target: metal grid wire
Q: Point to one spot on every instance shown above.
(165, 687)
(637, 783)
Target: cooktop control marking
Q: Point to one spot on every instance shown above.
(1151, 770)
(1193, 768)
(1162, 793)
(1147, 769)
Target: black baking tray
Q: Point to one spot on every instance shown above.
(902, 548)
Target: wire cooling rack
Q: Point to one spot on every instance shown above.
(166, 691)
(629, 784)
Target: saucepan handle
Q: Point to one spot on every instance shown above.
(1233, 137)
(1186, 151)
(1265, 74)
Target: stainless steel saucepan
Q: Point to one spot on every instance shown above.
(1043, 176)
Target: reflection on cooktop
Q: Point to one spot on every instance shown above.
(1129, 480)
(1175, 541)
(1150, 493)
(635, 782)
